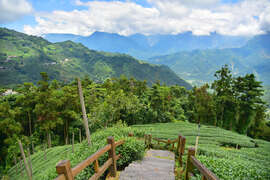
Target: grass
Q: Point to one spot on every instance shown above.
(248, 162)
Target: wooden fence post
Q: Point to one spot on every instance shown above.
(15, 162)
(150, 140)
(169, 144)
(25, 162)
(178, 144)
(182, 150)
(189, 166)
(96, 166)
(113, 169)
(63, 167)
(29, 162)
(145, 140)
(196, 144)
(44, 148)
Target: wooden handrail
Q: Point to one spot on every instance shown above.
(118, 143)
(193, 162)
(105, 166)
(204, 171)
(166, 141)
(77, 169)
(66, 173)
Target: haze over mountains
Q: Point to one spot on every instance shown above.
(143, 47)
(199, 66)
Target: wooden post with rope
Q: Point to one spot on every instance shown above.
(197, 138)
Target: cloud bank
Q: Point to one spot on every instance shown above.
(245, 18)
(12, 10)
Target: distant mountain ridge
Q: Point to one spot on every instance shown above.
(199, 66)
(23, 57)
(143, 47)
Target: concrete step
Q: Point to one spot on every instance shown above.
(156, 165)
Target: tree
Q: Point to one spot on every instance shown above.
(224, 98)
(45, 109)
(204, 111)
(249, 93)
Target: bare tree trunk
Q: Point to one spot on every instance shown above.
(29, 162)
(25, 162)
(87, 132)
(21, 168)
(30, 124)
(49, 139)
(15, 162)
(44, 148)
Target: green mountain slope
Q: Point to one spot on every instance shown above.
(199, 66)
(23, 57)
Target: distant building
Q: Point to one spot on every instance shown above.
(9, 92)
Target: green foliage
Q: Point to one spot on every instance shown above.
(53, 109)
(131, 150)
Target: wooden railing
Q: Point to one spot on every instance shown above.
(169, 144)
(193, 162)
(66, 173)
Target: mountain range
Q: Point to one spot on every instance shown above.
(193, 58)
(144, 47)
(23, 57)
(199, 66)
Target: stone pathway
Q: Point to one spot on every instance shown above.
(156, 165)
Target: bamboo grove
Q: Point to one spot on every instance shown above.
(49, 112)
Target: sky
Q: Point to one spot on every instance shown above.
(127, 17)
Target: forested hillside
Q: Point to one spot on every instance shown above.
(52, 109)
(198, 66)
(23, 57)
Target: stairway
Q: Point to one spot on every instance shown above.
(156, 165)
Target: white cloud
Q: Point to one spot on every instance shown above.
(11, 10)
(249, 17)
(265, 20)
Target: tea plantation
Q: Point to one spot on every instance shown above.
(216, 151)
(131, 150)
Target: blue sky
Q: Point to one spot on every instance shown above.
(83, 17)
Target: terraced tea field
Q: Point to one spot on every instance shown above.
(217, 149)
